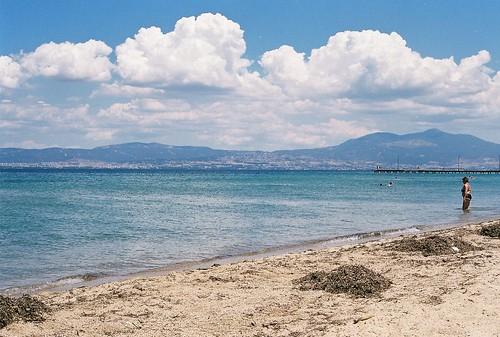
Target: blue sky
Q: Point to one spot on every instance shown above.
(238, 87)
(435, 28)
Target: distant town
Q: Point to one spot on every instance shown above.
(198, 165)
(430, 149)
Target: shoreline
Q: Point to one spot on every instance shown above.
(91, 279)
(456, 294)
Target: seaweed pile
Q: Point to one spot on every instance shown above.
(492, 231)
(355, 280)
(434, 245)
(26, 308)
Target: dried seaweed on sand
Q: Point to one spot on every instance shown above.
(355, 280)
(434, 245)
(26, 308)
(492, 231)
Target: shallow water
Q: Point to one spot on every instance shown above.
(59, 223)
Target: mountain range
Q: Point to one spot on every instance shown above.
(431, 148)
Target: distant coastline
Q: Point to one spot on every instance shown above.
(195, 165)
(428, 149)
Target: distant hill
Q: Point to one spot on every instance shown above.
(423, 148)
(121, 153)
(429, 148)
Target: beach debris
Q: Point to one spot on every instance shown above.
(7, 311)
(434, 245)
(433, 300)
(356, 280)
(25, 308)
(492, 231)
(361, 319)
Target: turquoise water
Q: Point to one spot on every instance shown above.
(61, 223)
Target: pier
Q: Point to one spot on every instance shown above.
(437, 171)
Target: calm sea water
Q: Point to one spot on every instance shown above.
(60, 223)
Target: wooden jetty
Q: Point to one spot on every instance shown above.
(437, 171)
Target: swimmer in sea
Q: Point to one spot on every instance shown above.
(466, 193)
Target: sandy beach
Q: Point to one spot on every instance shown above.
(455, 294)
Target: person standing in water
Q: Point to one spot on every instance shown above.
(466, 193)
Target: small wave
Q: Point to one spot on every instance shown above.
(372, 235)
(71, 279)
(63, 282)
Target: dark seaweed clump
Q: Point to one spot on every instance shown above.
(355, 280)
(25, 308)
(434, 245)
(492, 231)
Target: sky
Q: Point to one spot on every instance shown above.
(245, 74)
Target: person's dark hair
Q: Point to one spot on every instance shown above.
(465, 180)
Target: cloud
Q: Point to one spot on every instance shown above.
(282, 134)
(100, 134)
(314, 134)
(42, 114)
(73, 61)
(238, 123)
(193, 85)
(123, 90)
(30, 122)
(150, 113)
(489, 99)
(204, 50)
(368, 63)
(10, 73)
(233, 137)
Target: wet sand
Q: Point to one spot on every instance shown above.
(438, 295)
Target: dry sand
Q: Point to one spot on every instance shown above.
(444, 295)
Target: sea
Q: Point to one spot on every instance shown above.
(62, 226)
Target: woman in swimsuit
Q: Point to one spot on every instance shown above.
(466, 193)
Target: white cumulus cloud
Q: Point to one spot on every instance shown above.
(193, 85)
(10, 73)
(75, 61)
(204, 50)
(361, 63)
